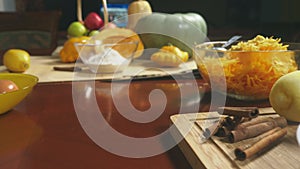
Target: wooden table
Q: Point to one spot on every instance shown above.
(43, 131)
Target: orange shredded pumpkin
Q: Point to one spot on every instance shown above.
(253, 71)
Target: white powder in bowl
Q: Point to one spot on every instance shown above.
(107, 57)
(107, 61)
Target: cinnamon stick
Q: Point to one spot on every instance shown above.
(270, 138)
(229, 123)
(244, 119)
(251, 131)
(281, 121)
(222, 132)
(251, 112)
(214, 130)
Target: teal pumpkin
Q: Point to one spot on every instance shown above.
(181, 30)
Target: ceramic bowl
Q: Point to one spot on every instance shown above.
(25, 84)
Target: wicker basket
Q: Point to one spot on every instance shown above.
(79, 11)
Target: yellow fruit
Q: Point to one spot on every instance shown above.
(16, 60)
(285, 96)
(119, 36)
(170, 56)
(166, 59)
(69, 52)
(184, 56)
(136, 10)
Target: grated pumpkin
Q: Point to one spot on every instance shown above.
(250, 68)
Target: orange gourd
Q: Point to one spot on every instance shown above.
(69, 53)
(170, 56)
(136, 10)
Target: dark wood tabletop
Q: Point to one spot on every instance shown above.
(44, 130)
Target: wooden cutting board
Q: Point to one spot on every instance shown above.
(214, 153)
(42, 67)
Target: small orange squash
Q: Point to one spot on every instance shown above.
(68, 53)
(120, 35)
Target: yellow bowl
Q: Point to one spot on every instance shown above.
(25, 83)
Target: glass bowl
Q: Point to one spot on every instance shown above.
(25, 83)
(107, 56)
(244, 75)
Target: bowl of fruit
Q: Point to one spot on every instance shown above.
(14, 87)
(248, 69)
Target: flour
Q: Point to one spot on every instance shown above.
(107, 57)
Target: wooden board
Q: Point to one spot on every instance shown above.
(42, 67)
(214, 153)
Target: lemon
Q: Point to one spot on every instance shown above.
(285, 96)
(16, 60)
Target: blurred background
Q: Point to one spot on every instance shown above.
(278, 18)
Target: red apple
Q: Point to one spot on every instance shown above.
(93, 21)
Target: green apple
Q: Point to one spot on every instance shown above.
(93, 32)
(76, 29)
